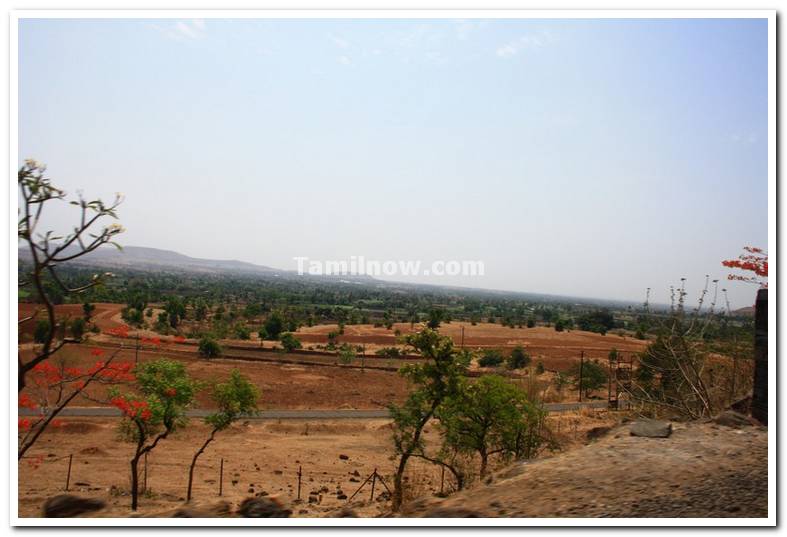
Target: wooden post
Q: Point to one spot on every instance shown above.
(221, 476)
(759, 400)
(300, 473)
(68, 475)
(374, 478)
(442, 478)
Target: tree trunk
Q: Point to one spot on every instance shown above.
(484, 461)
(194, 463)
(398, 495)
(134, 482)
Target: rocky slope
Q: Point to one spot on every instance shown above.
(701, 470)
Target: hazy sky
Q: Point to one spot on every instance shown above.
(589, 158)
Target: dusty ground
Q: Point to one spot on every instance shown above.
(263, 456)
(259, 455)
(283, 386)
(702, 470)
(558, 349)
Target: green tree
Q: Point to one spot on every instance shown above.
(434, 380)
(531, 322)
(436, 317)
(165, 392)
(518, 358)
(274, 325)
(233, 399)
(77, 328)
(593, 376)
(87, 310)
(492, 417)
(289, 342)
(209, 347)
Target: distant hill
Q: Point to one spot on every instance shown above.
(748, 311)
(141, 258)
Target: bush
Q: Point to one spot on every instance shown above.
(540, 368)
(41, 331)
(209, 348)
(531, 323)
(77, 328)
(289, 342)
(389, 352)
(490, 358)
(518, 358)
(241, 332)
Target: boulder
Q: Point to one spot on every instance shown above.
(216, 510)
(730, 418)
(68, 505)
(651, 428)
(263, 508)
(597, 432)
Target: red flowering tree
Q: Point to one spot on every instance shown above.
(165, 391)
(44, 251)
(753, 260)
(53, 385)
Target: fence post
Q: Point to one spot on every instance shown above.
(221, 476)
(300, 472)
(759, 400)
(68, 475)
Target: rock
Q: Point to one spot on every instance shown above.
(597, 432)
(651, 428)
(263, 508)
(341, 496)
(730, 418)
(216, 510)
(312, 499)
(451, 512)
(344, 457)
(346, 512)
(68, 505)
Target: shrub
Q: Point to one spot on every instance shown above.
(41, 332)
(209, 347)
(289, 342)
(389, 352)
(490, 358)
(518, 358)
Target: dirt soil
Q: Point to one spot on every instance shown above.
(259, 457)
(702, 470)
(283, 386)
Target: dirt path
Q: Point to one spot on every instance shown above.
(702, 470)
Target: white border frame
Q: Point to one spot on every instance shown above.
(770, 15)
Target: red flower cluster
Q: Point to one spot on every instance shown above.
(754, 260)
(152, 340)
(179, 339)
(132, 409)
(120, 331)
(97, 352)
(24, 424)
(26, 402)
(170, 392)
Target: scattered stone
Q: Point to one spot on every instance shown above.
(312, 499)
(344, 457)
(651, 428)
(341, 496)
(68, 505)
(263, 508)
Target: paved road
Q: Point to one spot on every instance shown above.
(293, 414)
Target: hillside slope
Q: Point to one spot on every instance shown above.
(702, 470)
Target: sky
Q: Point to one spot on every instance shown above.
(591, 158)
